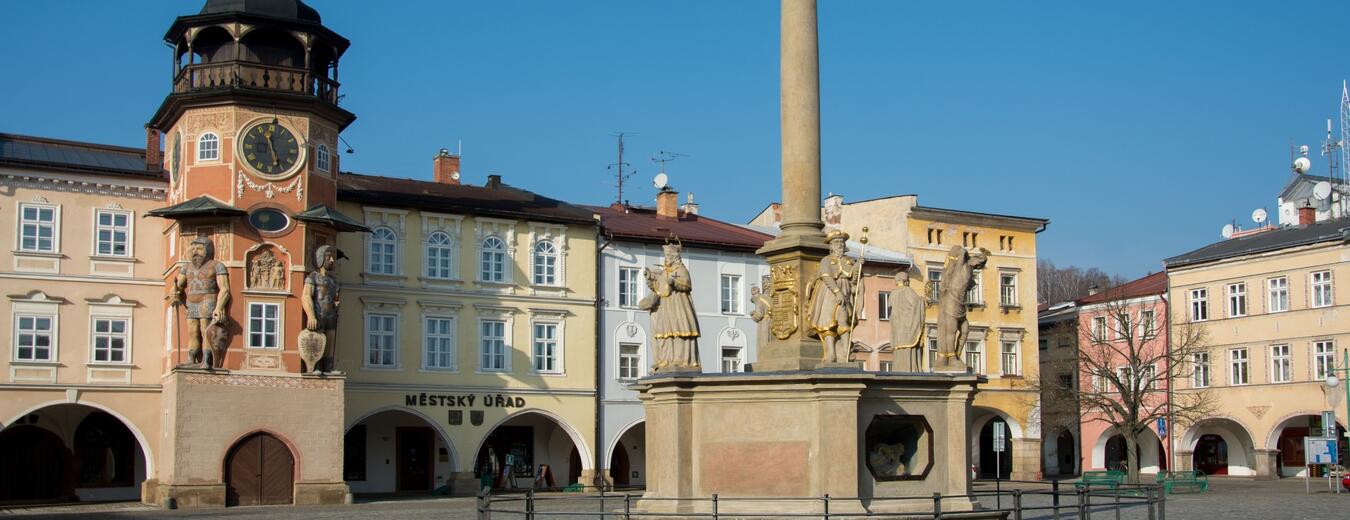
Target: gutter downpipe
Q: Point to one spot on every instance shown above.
(601, 244)
(1171, 379)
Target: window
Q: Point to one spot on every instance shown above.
(440, 256)
(731, 294)
(630, 361)
(934, 284)
(1066, 382)
(1200, 362)
(35, 337)
(1238, 369)
(493, 267)
(208, 148)
(545, 263)
(381, 340)
(1321, 289)
(884, 305)
(932, 348)
(383, 242)
(1007, 289)
(731, 359)
(1010, 364)
(264, 325)
(110, 340)
(1148, 323)
(886, 366)
(1199, 304)
(974, 357)
(492, 346)
(975, 296)
(1237, 300)
(268, 219)
(1323, 359)
(1281, 368)
(1136, 383)
(1278, 291)
(438, 342)
(546, 348)
(628, 286)
(37, 228)
(112, 230)
(1098, 329)
(321, 158)
(1044, 344)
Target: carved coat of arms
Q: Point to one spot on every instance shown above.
(783, 302)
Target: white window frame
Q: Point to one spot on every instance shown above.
(1239, 366)
(493, 263)
(885, 366)
(537, 343)
(51, 333)
(934, 283)
(1324, 359)
(1015, 367)
(382, 252)
(444, 344)
(1321, 292)
(440, 257)
(737, 362)
(1100, 331)
(211, 153)
(544, 264)
(1199, 304)
(323, 159)
(505, 345)
(1148, 323)
(113, 228)
(389, 357)
(636, 359)
(276, 322)
(1007, 293)
(110, 336)
(1277, 294)
(975, 296)
(38, 224)
(1281, 363)
(730, 294)
(1200, 378)
(884, 305)
(974, 357)
(1237, 299)
(630, 284)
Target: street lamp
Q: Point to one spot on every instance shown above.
(1332, 382)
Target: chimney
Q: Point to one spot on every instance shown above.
(667, 203)
(690, 208)
(494, 181)
(1306, 214)
(154, 160)
(777, 208)
(446, 168)
(1094, 289)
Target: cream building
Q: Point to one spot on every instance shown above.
(1002, 309)
(1271, 303)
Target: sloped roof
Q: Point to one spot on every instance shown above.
(74, 156)
(1300, 186)
(321, 213)
(1151, 285)
(203, 206)
(1281, 238)
(874, 254)
(643, 225)
(502, 201)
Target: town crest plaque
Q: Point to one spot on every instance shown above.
(783, 302)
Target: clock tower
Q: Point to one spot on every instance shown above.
(250, 134)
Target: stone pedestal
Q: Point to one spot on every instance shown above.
(1026, 459)
(1185, 460)
(802, 435)
(1267, 464)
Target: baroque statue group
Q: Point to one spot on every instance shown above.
(831, 312)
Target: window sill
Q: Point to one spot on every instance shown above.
(434, 370)
(1010, 307)
(113, 258)
(267, 292)
(548, 374)
(491, 371)
(109, 364)
(382, 279)
(262, 349)
(368, 368)
(38, 254)
(33, 363)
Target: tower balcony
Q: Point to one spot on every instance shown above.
(201, 77)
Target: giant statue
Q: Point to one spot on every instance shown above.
(202, 287)
(674, 323)
(320, 300)
(830, 315)
(957, 280)
(906, 312)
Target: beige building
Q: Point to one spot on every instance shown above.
(1002, 309)
(1271, 303)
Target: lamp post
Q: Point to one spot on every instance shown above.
(1332, 382)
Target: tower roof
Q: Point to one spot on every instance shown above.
(284, 9)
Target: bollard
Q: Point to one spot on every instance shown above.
(1081, 510)
(826, 501)
(1017, 504)
(714, 506)
(1116, 492)
(1054, 498)
(529, 504)
(485, 504)
(627, 506)
(1148, 496)
(1162, 504)
(1087, 504)
(937, 506)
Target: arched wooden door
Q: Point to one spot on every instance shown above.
(34, 465)
(259, 470)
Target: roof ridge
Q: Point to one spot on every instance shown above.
(68, 142)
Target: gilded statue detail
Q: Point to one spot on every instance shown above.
(674, 322)
(830, 313)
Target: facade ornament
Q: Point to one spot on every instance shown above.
(320, 299)
(783, 301)
(761, 313)
(674, 322)
(203, 288)
(266, 271)
(957, 280)
(830, 309)
(906, 312)
(114, 205)
(268, 189)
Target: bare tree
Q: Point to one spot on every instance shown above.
(1125, 368)
(1057, 284)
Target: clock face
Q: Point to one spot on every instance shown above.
(270, 149)
(177, 156)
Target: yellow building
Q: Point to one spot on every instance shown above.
(1002, 309)
(468, 334)
(1271, 303)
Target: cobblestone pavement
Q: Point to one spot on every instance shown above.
(1227, 499)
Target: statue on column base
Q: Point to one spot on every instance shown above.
(674, 322)
(957, 280)
(906, 312)
(320, 300)
(830, 298)
(202, 287)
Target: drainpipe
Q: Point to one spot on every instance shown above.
(1171, 380)
(601, 244)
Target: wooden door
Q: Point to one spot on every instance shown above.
(414, 463)
(259, 470)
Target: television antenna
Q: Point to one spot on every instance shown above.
(662, 157)
(618, 167)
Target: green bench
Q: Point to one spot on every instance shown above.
(1193, 480)
(1109, 479)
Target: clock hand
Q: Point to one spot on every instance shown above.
(271, 147)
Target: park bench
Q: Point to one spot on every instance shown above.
(1194, 480)
(1109, 479)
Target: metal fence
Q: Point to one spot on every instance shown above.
(1018, 500)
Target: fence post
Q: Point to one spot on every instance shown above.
(1116, 492)
(826, 501)
(937, 505)
(1017, 504)
(529, 504)
(1162, 504)
(1081, 492)
(627, 506)
(1054, 499)
(1148, 496)
(1087, 504)
(714, 506)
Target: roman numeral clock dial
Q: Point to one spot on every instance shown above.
(270, 149)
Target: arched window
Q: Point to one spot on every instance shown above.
(545, 263)
(440, 256)
(321, 158)
(494, 259)
(208, 147)
(382, 244)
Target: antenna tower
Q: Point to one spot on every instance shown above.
(619, 166)
(1345, 131)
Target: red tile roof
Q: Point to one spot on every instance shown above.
(643, 225)
(503, 200)
(1150, 285)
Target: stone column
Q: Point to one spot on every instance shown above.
(1184, 460)
(1026, 458)
(795, 254)
(1266, 464)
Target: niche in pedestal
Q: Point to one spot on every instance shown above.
(899, 447)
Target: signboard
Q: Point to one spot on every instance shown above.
(1162, 427)
(1320, 450)
(1329, 424)
(999, 444)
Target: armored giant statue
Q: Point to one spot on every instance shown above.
(320, 300)
(957, 279)
(202, 287)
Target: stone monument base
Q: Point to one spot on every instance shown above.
(856, 436)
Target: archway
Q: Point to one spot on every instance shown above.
(987, 461)
(1287, 437)
(34, 465)
(1060, 454)
(1115, 454)
(541, 449)
(1220, 446)
(397, 450)
(70, 452)
(628, 457)
(259, 471)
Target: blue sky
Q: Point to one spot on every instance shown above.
(1137, 128)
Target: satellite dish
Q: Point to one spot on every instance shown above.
(1322, 190)
(1259, 215)
(1228, 231)
(661, 181)
(1302, 165)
